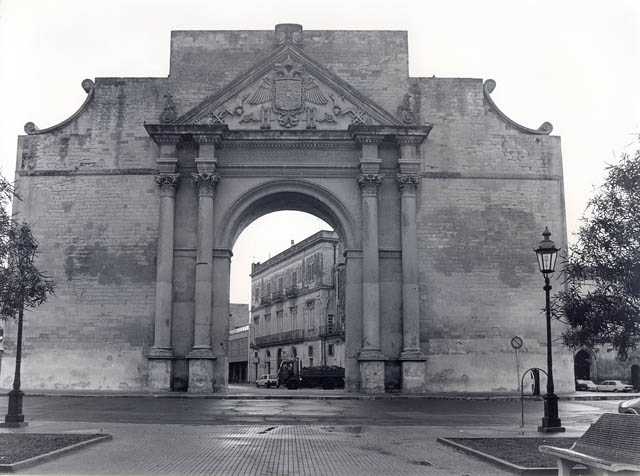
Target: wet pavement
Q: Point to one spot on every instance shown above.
(378, 412)
(275, 437)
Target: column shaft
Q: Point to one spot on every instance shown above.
(164, 266)
(370, 264)
(410, 296)
(204, 273)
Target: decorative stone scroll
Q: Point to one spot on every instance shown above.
(369, 183)
(206, 183)
(288, 32)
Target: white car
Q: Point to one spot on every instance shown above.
(586, 385)
(614, 386)
(270, 380)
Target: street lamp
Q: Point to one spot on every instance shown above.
(547, 253)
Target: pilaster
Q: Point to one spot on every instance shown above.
(371, 358)
(413, 360)
(161, 355)
(201, 356)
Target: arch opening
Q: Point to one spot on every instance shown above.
(582, 365)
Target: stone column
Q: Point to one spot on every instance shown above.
(201, 356)
(161, 355)
(371, 358)
(413, 361)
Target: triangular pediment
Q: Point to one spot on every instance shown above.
(288, 91)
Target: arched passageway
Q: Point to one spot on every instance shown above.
(582, 365)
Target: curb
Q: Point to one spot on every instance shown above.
(517, 469)
(13, 467)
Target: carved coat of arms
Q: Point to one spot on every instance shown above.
(288, 91)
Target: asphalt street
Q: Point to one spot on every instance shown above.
(345, 412)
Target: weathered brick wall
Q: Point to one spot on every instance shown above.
(487, 194)
(98, 242)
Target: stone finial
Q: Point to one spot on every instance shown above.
(169, 113)
(405, 110)
(289, 32)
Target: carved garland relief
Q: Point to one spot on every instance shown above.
(289, 97)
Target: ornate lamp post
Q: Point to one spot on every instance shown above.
(547, 253)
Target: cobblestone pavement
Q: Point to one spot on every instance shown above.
(262, 450)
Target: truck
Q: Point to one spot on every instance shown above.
(293, 375)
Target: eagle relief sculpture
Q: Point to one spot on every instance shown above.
(289, 96)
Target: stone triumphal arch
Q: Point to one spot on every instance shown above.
(437, 196)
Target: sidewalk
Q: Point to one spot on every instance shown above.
(274, 450)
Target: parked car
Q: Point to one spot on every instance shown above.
(268, 380)
(631, 407)
(614, 386)
(586, 385)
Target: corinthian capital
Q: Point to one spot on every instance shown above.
(408, 182)
(206, 183)
(369, 183)
(168, 183)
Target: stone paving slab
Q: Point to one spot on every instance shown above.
(272, 450)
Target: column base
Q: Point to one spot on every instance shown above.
(201, 375)
(201, 353)
(160, 353)
(371, 374)
(160, 372)
(414, 373)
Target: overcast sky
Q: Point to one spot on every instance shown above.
(575, 64)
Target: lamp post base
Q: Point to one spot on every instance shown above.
(550, 421)
(14, 417)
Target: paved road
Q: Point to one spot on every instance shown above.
(372, 412)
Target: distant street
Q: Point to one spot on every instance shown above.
(373, 412)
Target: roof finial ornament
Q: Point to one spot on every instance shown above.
(289, 33)
(169, 113)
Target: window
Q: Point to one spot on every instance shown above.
(294, 278)
(256, 294)
(330, 349)
(268, 289)
(267, 325)
(256, 325)
(279, 319)
(309, 270)
(294, 318)
(330, 322)
(310, 356)
(280, 284)
(310, 314)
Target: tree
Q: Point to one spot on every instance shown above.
(22, 286)
(601, 299)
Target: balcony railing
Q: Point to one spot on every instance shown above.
(288, 337)
(266, 299)
(336, 329)
(291, 291)
(278, 296)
